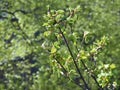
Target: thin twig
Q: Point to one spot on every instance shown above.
(93, 76)
(66, 73)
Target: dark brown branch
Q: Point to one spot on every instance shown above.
(92, 75)
(66, 74)
(77, 68)
(64, 70)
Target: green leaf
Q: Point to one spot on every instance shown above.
(53, 50)
(112, 66)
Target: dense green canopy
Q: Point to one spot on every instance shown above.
(59, 44)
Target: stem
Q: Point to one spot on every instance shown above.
(93, 76)
(64, 70)
(66, 73)
(77, 68)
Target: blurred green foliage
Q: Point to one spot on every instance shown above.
(41, 39)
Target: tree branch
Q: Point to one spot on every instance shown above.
(77, 68)
(66, 74)
(92, 75)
